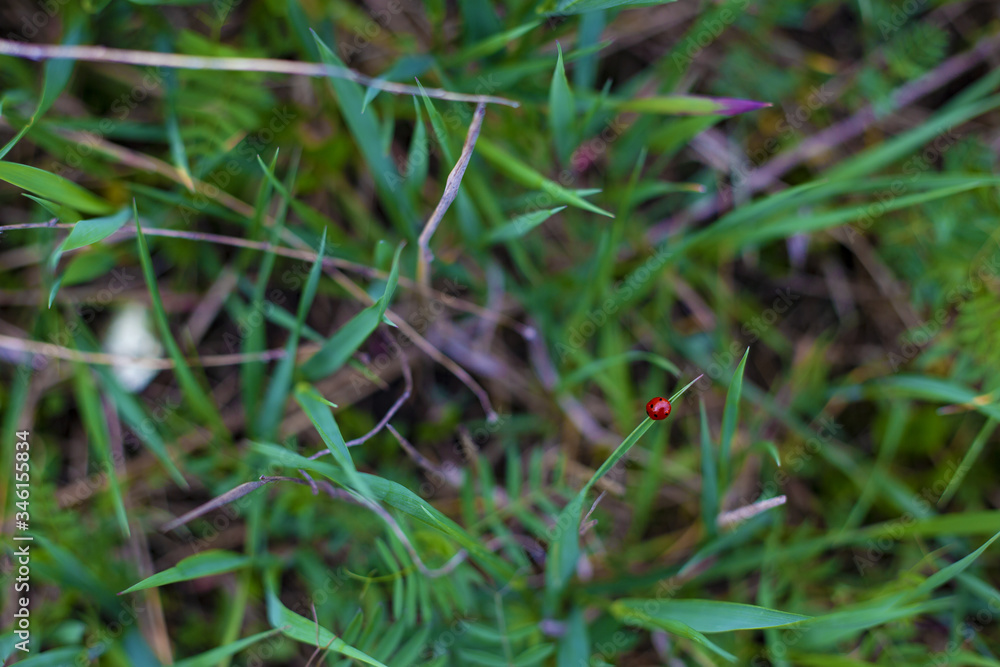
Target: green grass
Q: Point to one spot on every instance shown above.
(356, 467)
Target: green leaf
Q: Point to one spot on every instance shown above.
(491, 44)
(303, 629)
(574, 646)
(521, 225)
(308, 213)
(419, 157)
(178, 153)
(86, 232)
(204, 564)
(642, 619)
(212, 657)
(708, 616)
(325, 424)
(688, 105)
(945, 574)
(89, 405)
(345, 342)
(709, 475)
(581, 6)
(528, 177)
(62, 213)
(437, 124)
(947, 392)
(53, 187)
(562, 109)
(57, 72)
(58, 657)
(729, 417)
(86, 266)
(364, 127)
(831, 629)
(272, 410)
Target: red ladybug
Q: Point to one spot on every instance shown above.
(658, 408)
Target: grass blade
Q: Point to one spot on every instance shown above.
(303, 629)
(729, 417)
(204, 564)
(339, 348)
(562, 110)
(521, 173)
(708, 616)
(199, 400)
(709, 475)
(94, 421)
(273, 407)
(54, 187)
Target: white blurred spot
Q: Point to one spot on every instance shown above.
(131, 335)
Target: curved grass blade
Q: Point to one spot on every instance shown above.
(642, 619)
(204, 564)
(398, 497)
(521, 173)
(323, 421)
(564, 549)
(214, 656)
(303, 629)
(54, 187)
(521, 225)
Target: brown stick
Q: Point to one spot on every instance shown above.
(451, 187)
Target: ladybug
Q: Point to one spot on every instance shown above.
(658, 408)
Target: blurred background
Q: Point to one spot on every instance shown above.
(792, 204)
